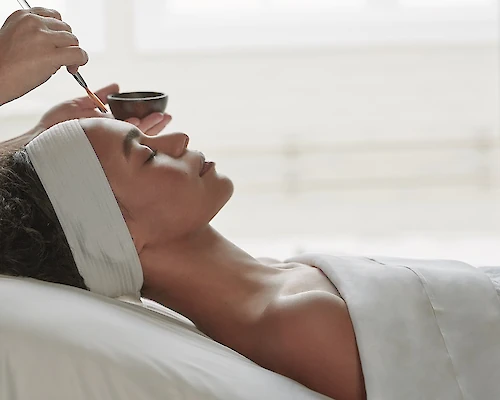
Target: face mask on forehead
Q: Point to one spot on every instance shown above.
(88, 212)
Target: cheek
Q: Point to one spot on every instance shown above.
(120, 185)
(170, 196)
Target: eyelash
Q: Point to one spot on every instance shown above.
(153, 154)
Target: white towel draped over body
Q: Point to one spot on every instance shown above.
(425, 330)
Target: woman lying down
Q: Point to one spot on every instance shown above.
(98, 205)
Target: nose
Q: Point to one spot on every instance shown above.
(172, 144)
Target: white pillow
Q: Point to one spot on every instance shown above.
(58, 342)
(494, 274)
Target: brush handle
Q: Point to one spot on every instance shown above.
(24, 4)
(80, 80)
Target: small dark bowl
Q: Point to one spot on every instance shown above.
(136, 104)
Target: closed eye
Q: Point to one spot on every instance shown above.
(152, 155)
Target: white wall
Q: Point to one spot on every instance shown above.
(374, 149)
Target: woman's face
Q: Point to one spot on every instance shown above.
(165, 190)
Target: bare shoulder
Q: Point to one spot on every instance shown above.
(311, 307)
(313, 342)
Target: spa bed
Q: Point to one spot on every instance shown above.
(60, 343)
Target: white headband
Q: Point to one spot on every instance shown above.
(87, 210)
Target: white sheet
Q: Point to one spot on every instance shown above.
(424, 329)
(60, 343)
(494, 275)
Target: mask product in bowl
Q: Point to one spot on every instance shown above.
(136, 104)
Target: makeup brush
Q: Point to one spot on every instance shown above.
(100, 105)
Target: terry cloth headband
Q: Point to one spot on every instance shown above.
(87, 210)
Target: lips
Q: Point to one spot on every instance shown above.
(205, 165)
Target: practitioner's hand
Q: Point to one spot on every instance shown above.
(34, 44)
(152, 124)
(81, 107)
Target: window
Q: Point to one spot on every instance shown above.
(243, 7)
(198, 24)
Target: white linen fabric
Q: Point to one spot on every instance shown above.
(494, 275)
(60, 343)
(88, 212)
(424, 329)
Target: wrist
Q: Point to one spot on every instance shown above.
(4, 97)
(6, 94)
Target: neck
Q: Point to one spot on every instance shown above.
(208, 279)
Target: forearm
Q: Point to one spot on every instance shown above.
(20, 141)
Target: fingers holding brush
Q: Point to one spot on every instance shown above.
(57, 25)
(34, 44)
(69, 52)
(73, 57)
(46, 12)
(67, 46)
(64, 39)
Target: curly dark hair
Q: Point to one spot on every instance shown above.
(32, 241)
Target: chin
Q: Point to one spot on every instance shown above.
(224, 193)
(226, 190)
(225, 187)
(230, 188)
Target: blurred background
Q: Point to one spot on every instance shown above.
(364, 127)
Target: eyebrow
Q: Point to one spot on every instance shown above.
(132, 134)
